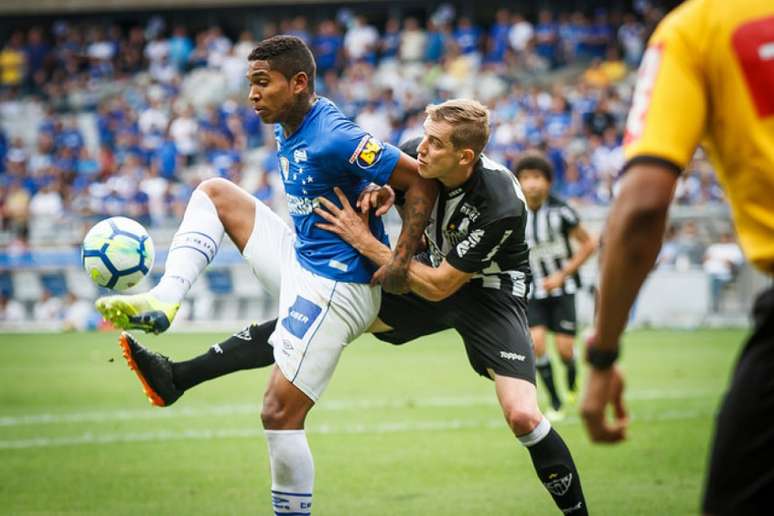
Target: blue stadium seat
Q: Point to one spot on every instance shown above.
(55, 283)
(219, 281)
(6, 284)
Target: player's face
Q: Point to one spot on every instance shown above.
(436, 155)
(271, 94)
(534, 185)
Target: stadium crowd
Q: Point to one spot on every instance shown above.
(133, 118)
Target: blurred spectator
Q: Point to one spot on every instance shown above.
(721, 263)
(389, 43)
(498, 40)
(689, 249)
(11, 310)
(631, 36)
(13, 62)
(361, 41)
(599, 120)
(438, 35)
(468, 38)
(546, 37)
(79, 314)
(520, 34)
(184, 131)
(327, 45)
(413, 41)
(48, 308)
(179, 47)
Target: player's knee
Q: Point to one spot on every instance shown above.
(217, 189)
(522, 419)
(274, 414)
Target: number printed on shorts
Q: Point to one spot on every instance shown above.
(753, 43)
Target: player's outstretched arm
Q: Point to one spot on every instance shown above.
(430, 283)
(632, 240)
(420, 195)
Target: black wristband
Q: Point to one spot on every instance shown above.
(601, 359)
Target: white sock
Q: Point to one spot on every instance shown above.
(194, 246)
(537, 434)
(292, 471)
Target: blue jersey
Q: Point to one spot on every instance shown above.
(329, 150)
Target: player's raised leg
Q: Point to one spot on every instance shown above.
(164, 381)
(215, 207)
(550, 456)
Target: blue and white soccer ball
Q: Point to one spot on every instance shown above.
(117, 253)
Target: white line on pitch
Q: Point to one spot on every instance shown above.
(324, 406)
(92, 438)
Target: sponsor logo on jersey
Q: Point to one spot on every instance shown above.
(646, 81)
(299, 155)
(456, 234)
(301, 205)
(469, 243)
(470, 211)
(559, 486)
(367, 153)
(300, 317)
(512, 356)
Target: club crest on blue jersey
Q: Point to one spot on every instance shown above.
(368, 152)
(301, 316)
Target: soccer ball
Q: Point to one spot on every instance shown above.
(117, 253)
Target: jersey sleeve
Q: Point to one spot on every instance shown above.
(570, 218)
(352, 149)
(475, 252)
(669, 107)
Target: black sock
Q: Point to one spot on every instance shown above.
(547, 374)
(556, 469)
(248, 349)
(572, 372)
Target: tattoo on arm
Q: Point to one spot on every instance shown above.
(416, 212)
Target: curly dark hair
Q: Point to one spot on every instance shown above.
(288, 55)
(535, 162)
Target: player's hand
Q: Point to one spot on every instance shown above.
(380, 198)
(604, 387)
(554, 281)
(393, 277)
(349, 224)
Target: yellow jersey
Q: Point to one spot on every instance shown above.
(708, 76)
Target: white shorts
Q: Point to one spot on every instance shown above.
(317, 316)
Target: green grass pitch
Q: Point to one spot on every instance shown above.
(408, 430)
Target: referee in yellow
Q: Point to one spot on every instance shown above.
(707, 76)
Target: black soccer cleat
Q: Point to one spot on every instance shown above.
(153, 369)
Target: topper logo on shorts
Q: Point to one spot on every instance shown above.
(300, 317)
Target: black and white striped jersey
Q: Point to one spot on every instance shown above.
(479, 227)
(548, 234)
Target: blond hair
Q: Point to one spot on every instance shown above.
(469, 120)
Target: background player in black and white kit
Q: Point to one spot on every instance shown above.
(473, 277)
(551, 224)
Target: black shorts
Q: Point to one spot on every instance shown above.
(740, 480)
(555, 313)
(492, 324)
